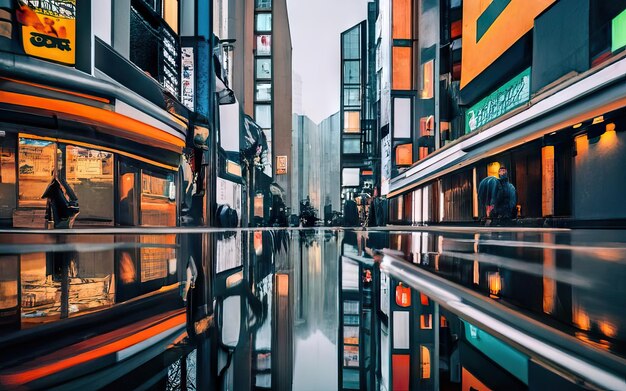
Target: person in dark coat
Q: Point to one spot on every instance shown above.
(504, 197)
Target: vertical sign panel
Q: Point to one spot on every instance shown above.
(188, 78)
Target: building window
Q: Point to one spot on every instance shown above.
(263, 92)
(170, 14)
(404, 155)
(263, 68)
(7, 176)
(263, 45)
(402, 14)
(37, 164)
(263, 116)
(352, 96)
(352, 72)
(264, 22)
(351, 145)
(128, 211)
(428, 75)
(352, 121)
(402, 118)
(352, 45)
(90, 174)
(263, 4)
(158, 199)
(401, 69)
(351, 177)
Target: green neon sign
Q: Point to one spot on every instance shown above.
(618, 33)
(513, 94)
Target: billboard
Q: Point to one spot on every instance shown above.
(490, 28)
(48, 29)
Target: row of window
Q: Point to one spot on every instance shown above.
(144, 196)
(263, 74)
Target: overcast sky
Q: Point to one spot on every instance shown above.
(316, 26)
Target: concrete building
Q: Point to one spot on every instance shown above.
(259, 49)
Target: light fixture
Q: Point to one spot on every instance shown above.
(552, 134)
(578, 125)
(610, 127)
(598, 120)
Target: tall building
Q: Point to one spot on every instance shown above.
(259, 44)
(471, 89)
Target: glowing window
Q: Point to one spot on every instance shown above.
(37, 161)
(404, 155)
(170, 14)
(352, 121)
(424, 362)
(158, 199)
(401, 23)
(426, 321)
(401, 69)
(428, 75)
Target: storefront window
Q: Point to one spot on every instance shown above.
(7, 177)
(90, 174)
(37, 160)
(158, 199)
(127, 195)
(160, 261)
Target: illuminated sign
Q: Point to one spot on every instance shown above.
(188, 78)
(513, 94)
(281, 165)
(490, 28)
(618, 32)
(48, 29)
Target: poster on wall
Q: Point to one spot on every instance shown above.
(491, 28)
(48, 29)
(188, 78)
(385, 175)
(281, 165)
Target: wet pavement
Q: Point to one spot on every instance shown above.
(416, 308)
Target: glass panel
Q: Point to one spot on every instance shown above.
(36, 170)
(352, 96)
(263, 68)
(264, 45)
(402, 118)
(155, 261)
(352, 44)
(351, 177)
(352, 72)
(158, 199)
(352, 121)
(170, 14)
(352, 145)
(402, 14)
(263, 91)
(349, 277)
(263, 115)
(424, 362)
(404, 155)
(351, 335)
(127, 207)
(350, 356)
(90, 174)
(263, 4)
(401, 78)
(7, 177)
(264, 22)
(427, 80)
(351, 379)
(9, 277)
(400, 329)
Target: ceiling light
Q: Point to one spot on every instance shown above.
(578, 125)
(597, 120)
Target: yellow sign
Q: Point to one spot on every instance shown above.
(281, 165)
(490, 27)
(48, 29)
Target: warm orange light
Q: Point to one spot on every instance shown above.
(425, 362)
(128, 127)
(607, 328)
(403, 295)
(598, 120)
(91, 351)
(578, 125)
(78, 94)
(426, 321)
(282, 284)
(581, 319)
(495, 284)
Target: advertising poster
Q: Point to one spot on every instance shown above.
(48, 29)
(188, 78)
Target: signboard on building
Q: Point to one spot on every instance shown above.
(48, 29)
(385, 174)
(513, 94)
(491, 28)
(188, 94)
(281, 165)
